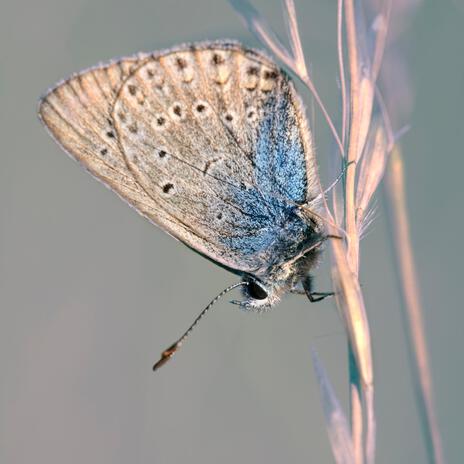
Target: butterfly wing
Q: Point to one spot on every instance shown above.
(77, 113)
(208, 141)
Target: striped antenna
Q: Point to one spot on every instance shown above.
(168, 353)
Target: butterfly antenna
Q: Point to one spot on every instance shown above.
(335, 182)
(168, 353)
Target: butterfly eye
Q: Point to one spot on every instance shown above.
(256, 291)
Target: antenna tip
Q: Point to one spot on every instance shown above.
(166, 355)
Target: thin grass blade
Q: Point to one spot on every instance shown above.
(412, 306)
(337, 425)
(294, 36)
(351, 302)
(371, 171)
(258, 25)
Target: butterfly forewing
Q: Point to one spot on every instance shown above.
(78, 114)
(176, 135)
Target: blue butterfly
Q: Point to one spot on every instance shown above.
(209, 141)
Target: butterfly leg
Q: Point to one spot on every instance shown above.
(314, 297)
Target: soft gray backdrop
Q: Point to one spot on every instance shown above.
(90, 293)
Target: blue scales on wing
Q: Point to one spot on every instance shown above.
(276, 230)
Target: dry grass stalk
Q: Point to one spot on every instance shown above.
(412, 303)
(351, 304)
(364, 145)
(398, 97)
(345, 253)
(356, 418)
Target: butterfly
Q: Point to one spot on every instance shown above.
(210, 142)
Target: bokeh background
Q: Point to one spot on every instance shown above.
(90, 292)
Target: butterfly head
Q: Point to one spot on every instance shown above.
(266, 290)
(259, 295)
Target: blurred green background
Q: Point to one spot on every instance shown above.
(90, 293)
